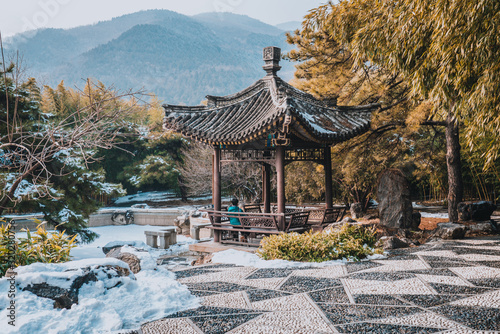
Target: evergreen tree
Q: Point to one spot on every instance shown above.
(45, 156)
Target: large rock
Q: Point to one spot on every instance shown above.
(121, 217)
(183, 224)
(356, 210)
(481, 229)
(348, 220)
(203, 259)
(118, 244)
(67, 297)
(392, 242)
(476, 211)
(450, 231)
(416, 218)
(133, 261)
(394, 200)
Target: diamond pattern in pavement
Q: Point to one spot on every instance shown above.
(445, 287)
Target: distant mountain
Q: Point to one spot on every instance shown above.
(179, 58)
(289, 26)
(237, 24)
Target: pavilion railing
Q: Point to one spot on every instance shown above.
(256, 223)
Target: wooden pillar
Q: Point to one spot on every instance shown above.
(216, 187)
(266, 187)
(328, 177)
(280, 175)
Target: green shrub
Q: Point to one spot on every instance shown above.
(351, 242)
(39, 246)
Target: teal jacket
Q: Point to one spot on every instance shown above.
(234, 221)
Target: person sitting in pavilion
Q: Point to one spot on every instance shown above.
(234, 220)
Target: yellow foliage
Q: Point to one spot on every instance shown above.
(40, 246)
(349, 242)
(418, 115)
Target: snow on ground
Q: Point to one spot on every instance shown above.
(241, 258)
(434, 215)
(153, 295)
(436, 206)
(128, 233)
(156, 196)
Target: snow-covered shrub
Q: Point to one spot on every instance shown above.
(39, 246)
(350, 242)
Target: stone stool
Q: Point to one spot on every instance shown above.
(151, 238)
(195, 230)
(173, 234)
(164, 237)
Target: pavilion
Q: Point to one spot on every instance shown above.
(271, 123)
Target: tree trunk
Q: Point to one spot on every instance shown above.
(454, 165)
(182, 188)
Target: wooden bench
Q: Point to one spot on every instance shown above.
(256, 208)
(256, 224)
(321, 218)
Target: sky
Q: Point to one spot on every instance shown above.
(21, 15)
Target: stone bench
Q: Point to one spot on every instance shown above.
(195, 230)
(161, 239)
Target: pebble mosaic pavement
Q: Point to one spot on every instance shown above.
(446, 287)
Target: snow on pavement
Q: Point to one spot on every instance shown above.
(247, 259)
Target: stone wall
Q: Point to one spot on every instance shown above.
(154, 217)
(27, 221)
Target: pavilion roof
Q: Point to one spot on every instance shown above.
(269, 107)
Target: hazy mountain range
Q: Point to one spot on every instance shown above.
(179, 58)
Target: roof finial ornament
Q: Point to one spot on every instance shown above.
(272, 56)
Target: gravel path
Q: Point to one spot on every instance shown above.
(445, 287)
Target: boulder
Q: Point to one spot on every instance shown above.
(370, 217)
(416, 218)
(333, 227)
(121, 217)
(67, 297)
(203, 259)
(450, 231)
(195, 213)
(132, 260)
(10, 273)
(183, 225)
(356, 210)
(348, 220)
(476, 211)
(118, 244)
(394, 200)
(481, 228)
(393, 243)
